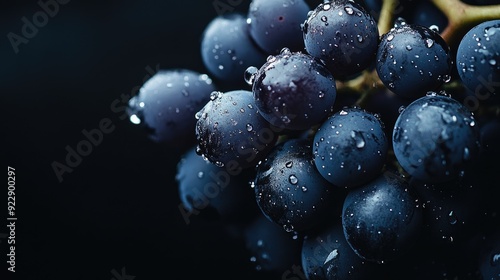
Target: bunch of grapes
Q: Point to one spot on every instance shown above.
(344, 139)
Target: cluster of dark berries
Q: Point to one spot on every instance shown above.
(327, 180)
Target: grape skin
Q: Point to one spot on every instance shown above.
(412, 60)
(434, 138)
(478, 60)
(343, 35)
(350, 147)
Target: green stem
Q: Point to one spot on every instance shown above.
(462, 17)
(386, 18)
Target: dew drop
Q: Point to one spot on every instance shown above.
(358, 138)
(349, 10)
(390, 37)
(429, 42)
(321, 94)
(215, 94)
(304, 189)
(409, 48)
(324, 19)
(466, 153)
(452, 218)
(285, 51)
(135, 119)
(343, 113)
(293, 179)
(288, 227)
(360, 38)
(401, 109)
(250, 74)
(333, 254)
(200, 174)
(434, 28)
(289, 164)
(249, 127)
(285, 119)
(326, 7)
(495, 259)
(492, 62)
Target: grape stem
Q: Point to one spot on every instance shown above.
(462, 17)
(386, 18)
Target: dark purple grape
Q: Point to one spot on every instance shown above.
(382, 219)
(343, 35)
(489, 257)
(275, 25)
(350, 147)
(211, 192)
(490, 141)
(478, 60)
(327, 255)
(293, 90)
(166, 104)
(290, 191)
(386, 104)
(434, 138)
(452, 210)
(271, 248)
(231, 132)
(412, 60)
(227, 49)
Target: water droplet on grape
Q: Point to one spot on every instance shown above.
(349, 10)
(429, 42)
(135, 119)
(434, 28)
(285, 51)
(215, 94)
(293, 179)
(249, 127)
(288, 227)
(358, 138)
(333, 254)
(250, 74)
(466, 153)
(452, 218)
(289, 164)
(495, 259)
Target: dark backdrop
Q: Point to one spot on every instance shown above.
(116, 213)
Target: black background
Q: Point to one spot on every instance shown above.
(118, 208)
